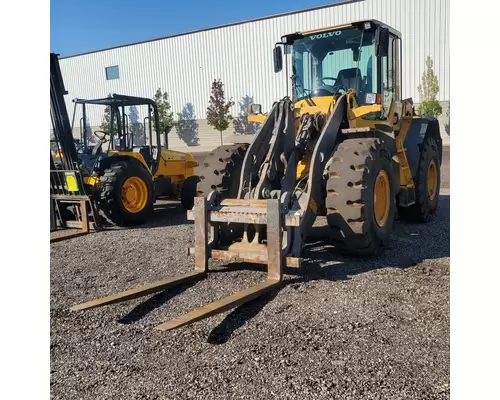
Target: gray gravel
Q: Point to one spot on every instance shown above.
(338, 329)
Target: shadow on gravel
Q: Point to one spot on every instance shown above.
(411, 244)
(244, 313)
(239, 317)
(156, 301)
(165, 214)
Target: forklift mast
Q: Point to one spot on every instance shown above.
(59, 115)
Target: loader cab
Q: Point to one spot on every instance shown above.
(326, 63)
(124, 126)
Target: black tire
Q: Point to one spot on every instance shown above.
(425, 207)
(221, 171)
(188, 192)
(355, 166)
(109, 197)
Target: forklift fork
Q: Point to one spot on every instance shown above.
(260, 212)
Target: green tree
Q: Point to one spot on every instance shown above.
(88, 132)
(136, 128)
(165, 115)
(52, 140)
(447, 123)
(106, 121)
(428, 89)
(218, 114)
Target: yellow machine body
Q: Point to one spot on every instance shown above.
(176, 165)
(258, 118)
(325, 104)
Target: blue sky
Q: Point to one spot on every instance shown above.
(78, 26)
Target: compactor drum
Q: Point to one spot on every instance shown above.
(344, 146)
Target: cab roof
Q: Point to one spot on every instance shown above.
(295, 35)
(118, 99)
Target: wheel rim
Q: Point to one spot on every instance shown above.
(381, 198)
(432, 180)
(134, 194)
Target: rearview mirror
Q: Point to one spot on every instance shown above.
(355, 55)
(383, 42)
(278, 59)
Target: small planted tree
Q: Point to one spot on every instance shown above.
(136, 127)
(447, 123)
(106, 121)
(428, 89)
(165, 115)
(89, 138)
(218, 115)
(52, 140)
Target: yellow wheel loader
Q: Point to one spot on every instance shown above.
(345, 146)
(126, 175)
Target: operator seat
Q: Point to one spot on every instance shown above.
(349, 78)
(145, 152)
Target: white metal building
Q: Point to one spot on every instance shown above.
(241, 55)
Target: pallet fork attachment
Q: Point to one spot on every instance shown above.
(261, 211)
(83, 225)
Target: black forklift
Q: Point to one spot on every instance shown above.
(72, 211)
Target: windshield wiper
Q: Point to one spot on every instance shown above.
(310, 98)
(294, 81)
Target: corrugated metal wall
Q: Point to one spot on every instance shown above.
(241, 55)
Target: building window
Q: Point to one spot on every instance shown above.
(112, 73)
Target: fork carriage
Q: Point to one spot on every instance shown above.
(264, 213)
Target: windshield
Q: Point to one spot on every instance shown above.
(329, 63)
(134, 124)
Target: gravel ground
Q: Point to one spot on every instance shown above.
(337, 329)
